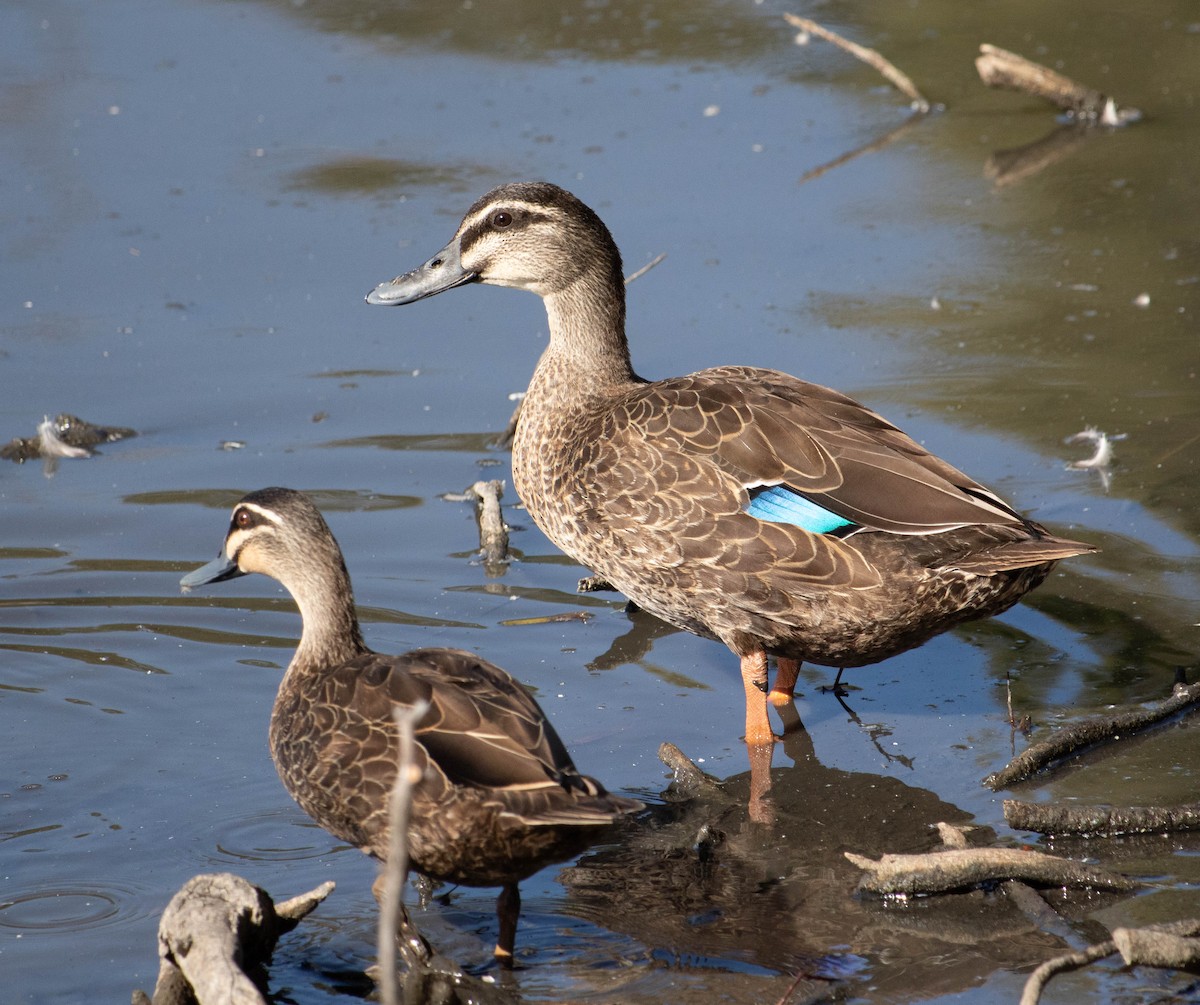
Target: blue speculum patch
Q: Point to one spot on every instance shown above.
(779, 504)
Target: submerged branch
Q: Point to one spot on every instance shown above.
(1171, 945)
(957, 869)
(493, 531)
(1100, 821)
(1089, 731)
(896, 77)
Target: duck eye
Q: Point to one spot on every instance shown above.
(502, 220)
(242, 519)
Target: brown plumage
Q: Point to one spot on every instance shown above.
(864, 544)
(498, 796)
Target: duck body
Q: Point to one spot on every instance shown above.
(742, 504)
(660, 508)
(496, 795)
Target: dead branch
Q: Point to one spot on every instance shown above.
(1171, 945)
(395, 870)
(214, 936)
(493, 531)
(1000, 68)
(1100, 821)
(957, 869)
(897, 78)
(1089, 731)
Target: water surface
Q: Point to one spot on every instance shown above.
(195, 198)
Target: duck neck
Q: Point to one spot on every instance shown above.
(587, 333)
(331, 635)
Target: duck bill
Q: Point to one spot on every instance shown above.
(217, 571)
(442, 272)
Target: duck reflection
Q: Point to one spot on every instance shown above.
(703, 884)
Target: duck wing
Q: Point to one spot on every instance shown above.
(482, 730)
(768, 428)
(750, 468)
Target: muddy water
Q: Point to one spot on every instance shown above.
(196, 197)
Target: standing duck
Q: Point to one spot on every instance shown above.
(497, 796)
(780, 517)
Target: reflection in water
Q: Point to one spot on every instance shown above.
(535, 31)
(1009, 167)
(277, 835)
(703, 881)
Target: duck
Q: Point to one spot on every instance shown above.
(496, 795)
(777, 516)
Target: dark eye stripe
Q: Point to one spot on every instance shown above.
(520, 218)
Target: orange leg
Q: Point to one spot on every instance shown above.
(508, 908)
(760, 741)
(754, 677)
(785, 681)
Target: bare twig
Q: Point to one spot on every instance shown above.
(891, 73)
(1047, 818)
(1089, 731)
(957, 869)
(1000, 68)
(396, 867)
(638, 273)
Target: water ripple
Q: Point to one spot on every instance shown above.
(71, 907)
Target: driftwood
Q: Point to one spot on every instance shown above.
(957, 869)
(1000, 68)
(1171, 945)
(1100, 821)
(896, 77)
(1087, 732)
(215, 936)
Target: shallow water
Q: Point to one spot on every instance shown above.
(196, 196)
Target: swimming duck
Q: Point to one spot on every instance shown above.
(498, 796)
(780, 517)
